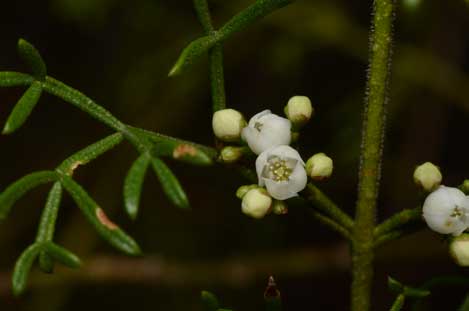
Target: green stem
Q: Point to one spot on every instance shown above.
(398, 303)
(215, 57)
(371, 155)
(217, 78)
(398, 220)
(332, 224)
(322, 203)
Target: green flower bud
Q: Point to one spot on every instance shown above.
(231, 154)
(427, 176)
(299, 110)
(279, 207)
(244, 189)
(459, 249)
(319, 166)
(256, 203)
(465, 187)
(227, 125)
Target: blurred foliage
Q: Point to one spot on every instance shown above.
(119, 53)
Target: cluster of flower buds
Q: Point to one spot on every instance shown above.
(445, 210)
(281, 172)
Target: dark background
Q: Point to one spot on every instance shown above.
(119, 53)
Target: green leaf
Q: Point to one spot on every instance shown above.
(209, 301)
(90, 153)
(251, 14)
(47, 225)
(23, 266)
(46, 264)
(395, 286)
(62, 255)
(465, 305)
(49, 214)
(11, 78)
(20, 187)
(178, 149)
(416, 292)
(96, 216)
(182, 152)
(32, 58)
(398, 303)
(192, 52)
(240, 21)
(80, 100)
(23, 108)
(133, 184)
(170, 184)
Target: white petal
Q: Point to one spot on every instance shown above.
(286, 152)
(261, 161)
(257, 117)
(253, 138)
(298, 178)
(279, 190)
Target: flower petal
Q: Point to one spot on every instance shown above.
(279, 190)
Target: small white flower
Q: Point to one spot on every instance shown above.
(427, 176)
(319, 166)
(282, 171)
(446, 211)
(266, 130)
(459, 249)
(227, 124)
(256, 203)
(299, 110)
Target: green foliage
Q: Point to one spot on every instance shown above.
(16, 190)
(23, 108)
(23, 266)
(171, 185)
(239, 22)
(32, 58)
(209, 301)
(133, 185)
(96, 216)
(465, 304)
(10, 79)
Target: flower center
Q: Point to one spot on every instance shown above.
(258, 126)
(457, 212)
(278, 169)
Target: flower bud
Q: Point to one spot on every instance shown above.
(244, 189)
(465, 186)
(299, 110)
(279, 207)
(459, 249)
(319, 166)
(446, 211)
(227, 124)
(256, 203)
(231, 154)
(427, 176)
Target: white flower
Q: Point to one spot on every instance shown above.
(446, 211)
(428, 176)
(256, 203)
(299, 110)
(319, 166)
(282, 171)
(227, 124)
(266, 130)
(459, 249)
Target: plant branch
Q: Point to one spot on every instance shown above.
(403, 218)
(325, 205)
(371, 154)
(215, 57)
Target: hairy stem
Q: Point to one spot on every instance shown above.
(215, 57)
(371, 155)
